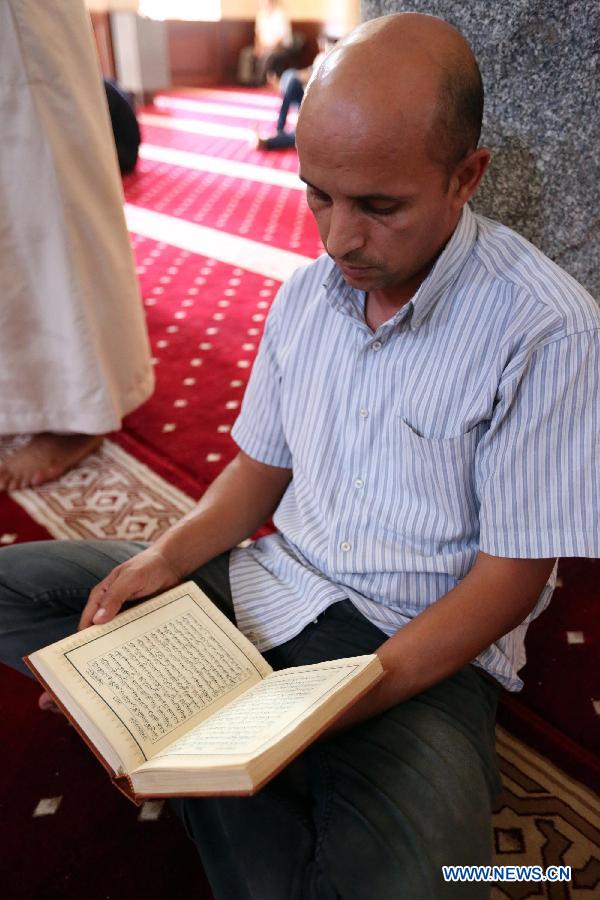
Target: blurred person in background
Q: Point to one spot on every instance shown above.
(291, 86)
(125, 127)
(272, 48)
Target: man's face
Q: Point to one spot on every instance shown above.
(384, 211)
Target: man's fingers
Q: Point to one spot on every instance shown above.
(89, 611)
(91, 608)
(128, 585)
(132, 580)
(106, 599)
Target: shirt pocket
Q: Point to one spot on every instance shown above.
(437, 485)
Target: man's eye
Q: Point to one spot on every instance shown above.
(380, 210)
(317, 196)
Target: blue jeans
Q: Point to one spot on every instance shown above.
(292, 92)
(371, 813)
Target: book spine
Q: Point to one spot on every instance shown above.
(123, 784)
(115, 777)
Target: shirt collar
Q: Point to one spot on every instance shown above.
(343, 297)
(443, 274)
(447, 267)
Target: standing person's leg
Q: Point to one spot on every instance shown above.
(74, 351)
(373, 812)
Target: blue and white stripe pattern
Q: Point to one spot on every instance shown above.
(467, 422)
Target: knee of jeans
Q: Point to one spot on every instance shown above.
(13, 566)
(28, 576)
(19, 561)
(10, 555)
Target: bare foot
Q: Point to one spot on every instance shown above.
(45, 458)
(47, 704)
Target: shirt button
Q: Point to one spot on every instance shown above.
(345, 546)
(359, 483)
(363, 412)
(376, 345)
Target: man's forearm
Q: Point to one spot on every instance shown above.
(236, 504)
(495, 597)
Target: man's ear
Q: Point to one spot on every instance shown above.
(468, 173)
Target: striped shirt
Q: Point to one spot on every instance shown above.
(469, 421)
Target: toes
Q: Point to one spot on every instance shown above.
(11, 480)
(42, 476)
(21, 482)
(46, 458)
(13, 483)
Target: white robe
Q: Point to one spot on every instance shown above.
(74, 353)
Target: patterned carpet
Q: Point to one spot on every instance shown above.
(216, 226)
(544, 818)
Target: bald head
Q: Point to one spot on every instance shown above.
(408, 75)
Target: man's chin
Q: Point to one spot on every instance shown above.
(363, 277)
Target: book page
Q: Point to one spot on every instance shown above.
(157, 669)
(263, 714)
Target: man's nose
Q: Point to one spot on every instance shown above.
(344, 234)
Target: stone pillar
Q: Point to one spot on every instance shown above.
(539, 64)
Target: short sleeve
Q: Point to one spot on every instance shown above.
(537, 466)
(258, 430)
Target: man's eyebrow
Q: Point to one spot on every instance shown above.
(389, 198)
(386, 198)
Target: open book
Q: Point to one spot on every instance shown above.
(175, 701)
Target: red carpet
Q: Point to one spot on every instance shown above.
(205, 320)
(93, 847)
(558, 711)
(206, 311)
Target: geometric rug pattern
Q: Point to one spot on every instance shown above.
(544, 818)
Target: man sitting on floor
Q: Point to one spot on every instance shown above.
(291, 86)
(422, 418)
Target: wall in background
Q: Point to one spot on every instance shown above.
(102, 34)
(539, 64)
(108, 5)
(343, 11)
(206, 53)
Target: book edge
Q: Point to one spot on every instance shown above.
(257, 783)
(122, 782)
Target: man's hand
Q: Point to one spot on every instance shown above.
(239, 500)
(145, 574)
